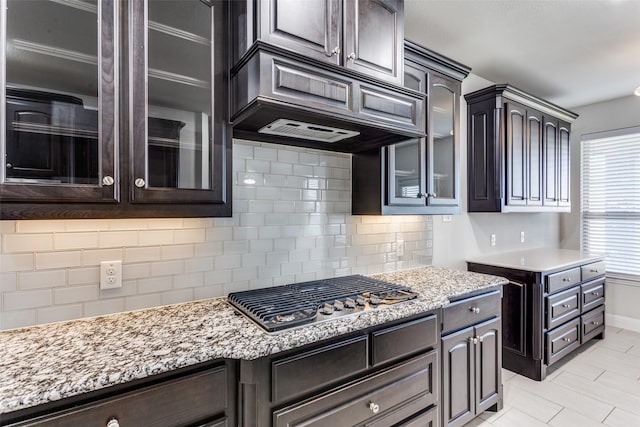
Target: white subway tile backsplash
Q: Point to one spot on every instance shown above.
(291, 222)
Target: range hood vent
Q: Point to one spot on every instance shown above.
(310, 131)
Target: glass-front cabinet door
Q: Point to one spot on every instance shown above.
(58, 102)
(443, 142)
(406, 172)
(177, 127)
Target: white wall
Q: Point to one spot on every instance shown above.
(468, 234)
(622, 299)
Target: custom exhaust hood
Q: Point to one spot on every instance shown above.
(285, 98)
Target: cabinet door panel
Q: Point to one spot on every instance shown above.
(178, 132)
(488, 364)
(564, 167)
(516, 155)
(374, 38)
(550, 163)
(60, 101)
(534, 158)
(458, 373)
(444, 145)
(406, 172)
(310, 27)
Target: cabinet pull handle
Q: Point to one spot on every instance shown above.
(9, 166)
(566, 305)
(566, 279)
(474, 310)
(480, 339)
(335, 51)
(139, 182)
(113, 422)
(374, 407)
(427, 195)
(595, 294)
(473, 340)
(595, 323)
(593, 271)
(566, 339)
(351, 56)
(107, 180)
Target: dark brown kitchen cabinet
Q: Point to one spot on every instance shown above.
(518, 149)
(417, 176)
(363, 35)
(126, 120)
(548, 314)
(382, 376)
(203, 396)
(471, 360)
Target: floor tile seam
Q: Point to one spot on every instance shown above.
(584, 393)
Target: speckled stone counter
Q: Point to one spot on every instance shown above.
(51, 362)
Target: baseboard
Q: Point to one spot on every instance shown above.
(623, 322)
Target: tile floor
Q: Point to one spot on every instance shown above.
(600, 386)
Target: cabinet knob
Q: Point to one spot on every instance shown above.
(113, 422)
(139, 182)
(427, 195)
(474, 310)
(473, 340)
(335, 51)
(9, 166)
(566, 279)
(107, 180)
(351, 56)
(374, 407)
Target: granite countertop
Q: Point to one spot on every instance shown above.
(46, 363)
(543, 260)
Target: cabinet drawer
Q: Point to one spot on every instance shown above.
(592, 294)
(391, 107)
(563, 280)
(593, 270)
(591, 324)
(318, 368)
(403, 340)
(404, 389)
(562, 340)
(425, 419)
(184, 401)
(562, 306)
(470, 311)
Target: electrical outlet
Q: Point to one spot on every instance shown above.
(400, 248)
(522, 237)
(111, 274)
(493, 240)
(446, 218)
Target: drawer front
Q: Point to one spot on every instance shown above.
(426, 419)
(592, 294)
(592, 324)
(561, 341)
(562, 280)
(404, 340)
(318, 368)
(562, 306)
(185, 401)
(593, 270)
(398, 418)
(391, 107)
(470, 311)
(414, 381)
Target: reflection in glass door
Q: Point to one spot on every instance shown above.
(179, 89)
(443, 144)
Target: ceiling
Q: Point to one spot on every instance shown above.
(569, 52)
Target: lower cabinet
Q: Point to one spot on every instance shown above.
(387, 375)
(471, 364)
(202, 398)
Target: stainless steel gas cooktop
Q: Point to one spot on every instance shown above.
(282, 307)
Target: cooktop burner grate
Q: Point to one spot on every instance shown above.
(297, 304)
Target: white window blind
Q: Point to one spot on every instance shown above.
(610, 186)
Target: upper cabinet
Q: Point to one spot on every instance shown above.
(518, 152)
(421, 175)
(103, 121)
(365, 35)
(325, 74)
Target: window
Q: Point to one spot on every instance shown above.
(610, 207)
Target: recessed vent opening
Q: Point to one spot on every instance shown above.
(294, 129)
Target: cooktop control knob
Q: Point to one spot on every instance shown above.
(350, 303)
(327, 309)
(339, 305)
(360, 300)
